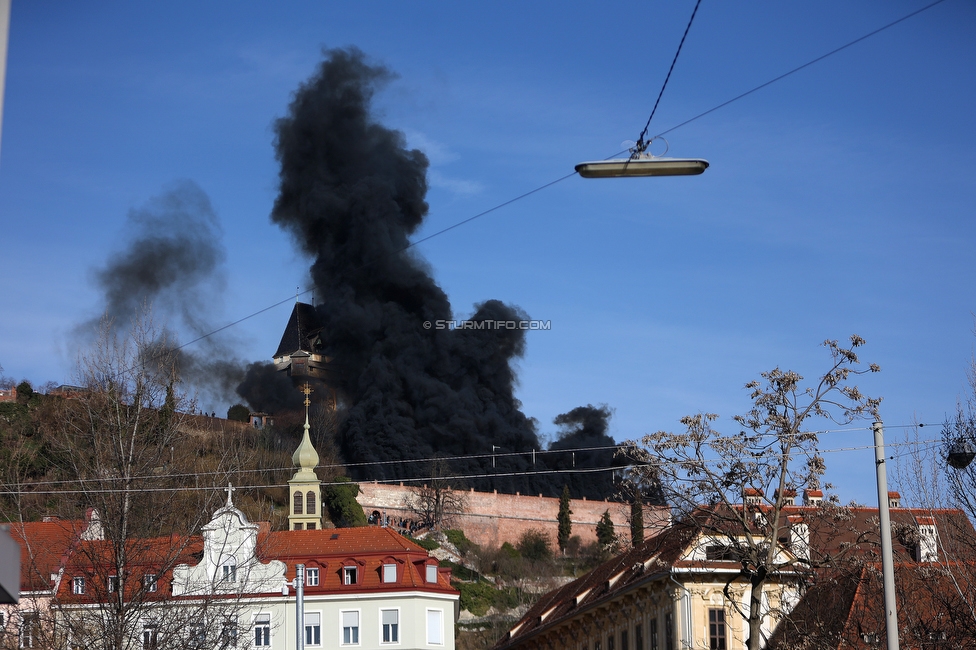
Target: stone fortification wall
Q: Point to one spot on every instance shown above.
(491, 518)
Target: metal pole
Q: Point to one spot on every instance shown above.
(300, 606)
(887, 564)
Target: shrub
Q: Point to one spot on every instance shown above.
(427, 543)
(460, 542)
(534, 545)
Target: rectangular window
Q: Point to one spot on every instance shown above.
(313, 628)
(654, 643)
(262, 630)
(78, 586)
(638, 637)
(610, 642)
(30, 630)
(311, 526)
(350, 628)
(197, 635)
(432, 573)
(149, 582)
(229, 572)
(298, 526)
(435, 626)
(624, 640)
(113, 584)
(389, 573)
(390, 619)
(716, 629)
(669, 631)
(150, 637)
(228, 633)
(349, 575)
(312, 577)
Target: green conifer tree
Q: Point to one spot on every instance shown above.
(565, 523)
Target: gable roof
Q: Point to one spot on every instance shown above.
(44, 548)
(834, 532)
(369, 546)
(845, 609)
(648, 561)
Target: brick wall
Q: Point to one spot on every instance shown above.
(492, 518)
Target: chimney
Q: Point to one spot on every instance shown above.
(752, 496)
(928, 540)
(812, 497)
(789, 496)
(799, 537)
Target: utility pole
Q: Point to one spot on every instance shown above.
(887, 558)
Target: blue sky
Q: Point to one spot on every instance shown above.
(839, 200)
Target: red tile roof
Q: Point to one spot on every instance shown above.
(44, 546)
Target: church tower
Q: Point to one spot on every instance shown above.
(305, 507)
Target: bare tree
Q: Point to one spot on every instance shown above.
(439, 502)
(126, 450)
(704, 473)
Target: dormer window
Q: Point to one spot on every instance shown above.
(349, 575)
(78, 586)
(389, 572)
(432, 573)
(311, 577)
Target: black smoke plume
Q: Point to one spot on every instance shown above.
(171, 266)
(351, 194)
(585, 429)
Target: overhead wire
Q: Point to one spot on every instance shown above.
(641, 145)
(227, 473)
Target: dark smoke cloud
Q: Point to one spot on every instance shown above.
(266, 389)
(172, 266)
(351, 194)
(582, 428)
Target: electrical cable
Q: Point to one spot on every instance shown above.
(640, 146)
(924, 444)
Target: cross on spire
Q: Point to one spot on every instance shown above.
(230, 490)
(308, 391)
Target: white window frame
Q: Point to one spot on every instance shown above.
(354, 636)
(437, 628)
(311, 577)
(29, 621)
(350, 575)
(78, 586)
(150, 635)
(390, 572)
(261, 622)
(313, 632)
(431, 572)
(395, 632)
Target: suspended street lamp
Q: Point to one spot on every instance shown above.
(642, 163)
(961, 453)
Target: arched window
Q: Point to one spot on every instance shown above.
(298, 503)
(310, 503)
